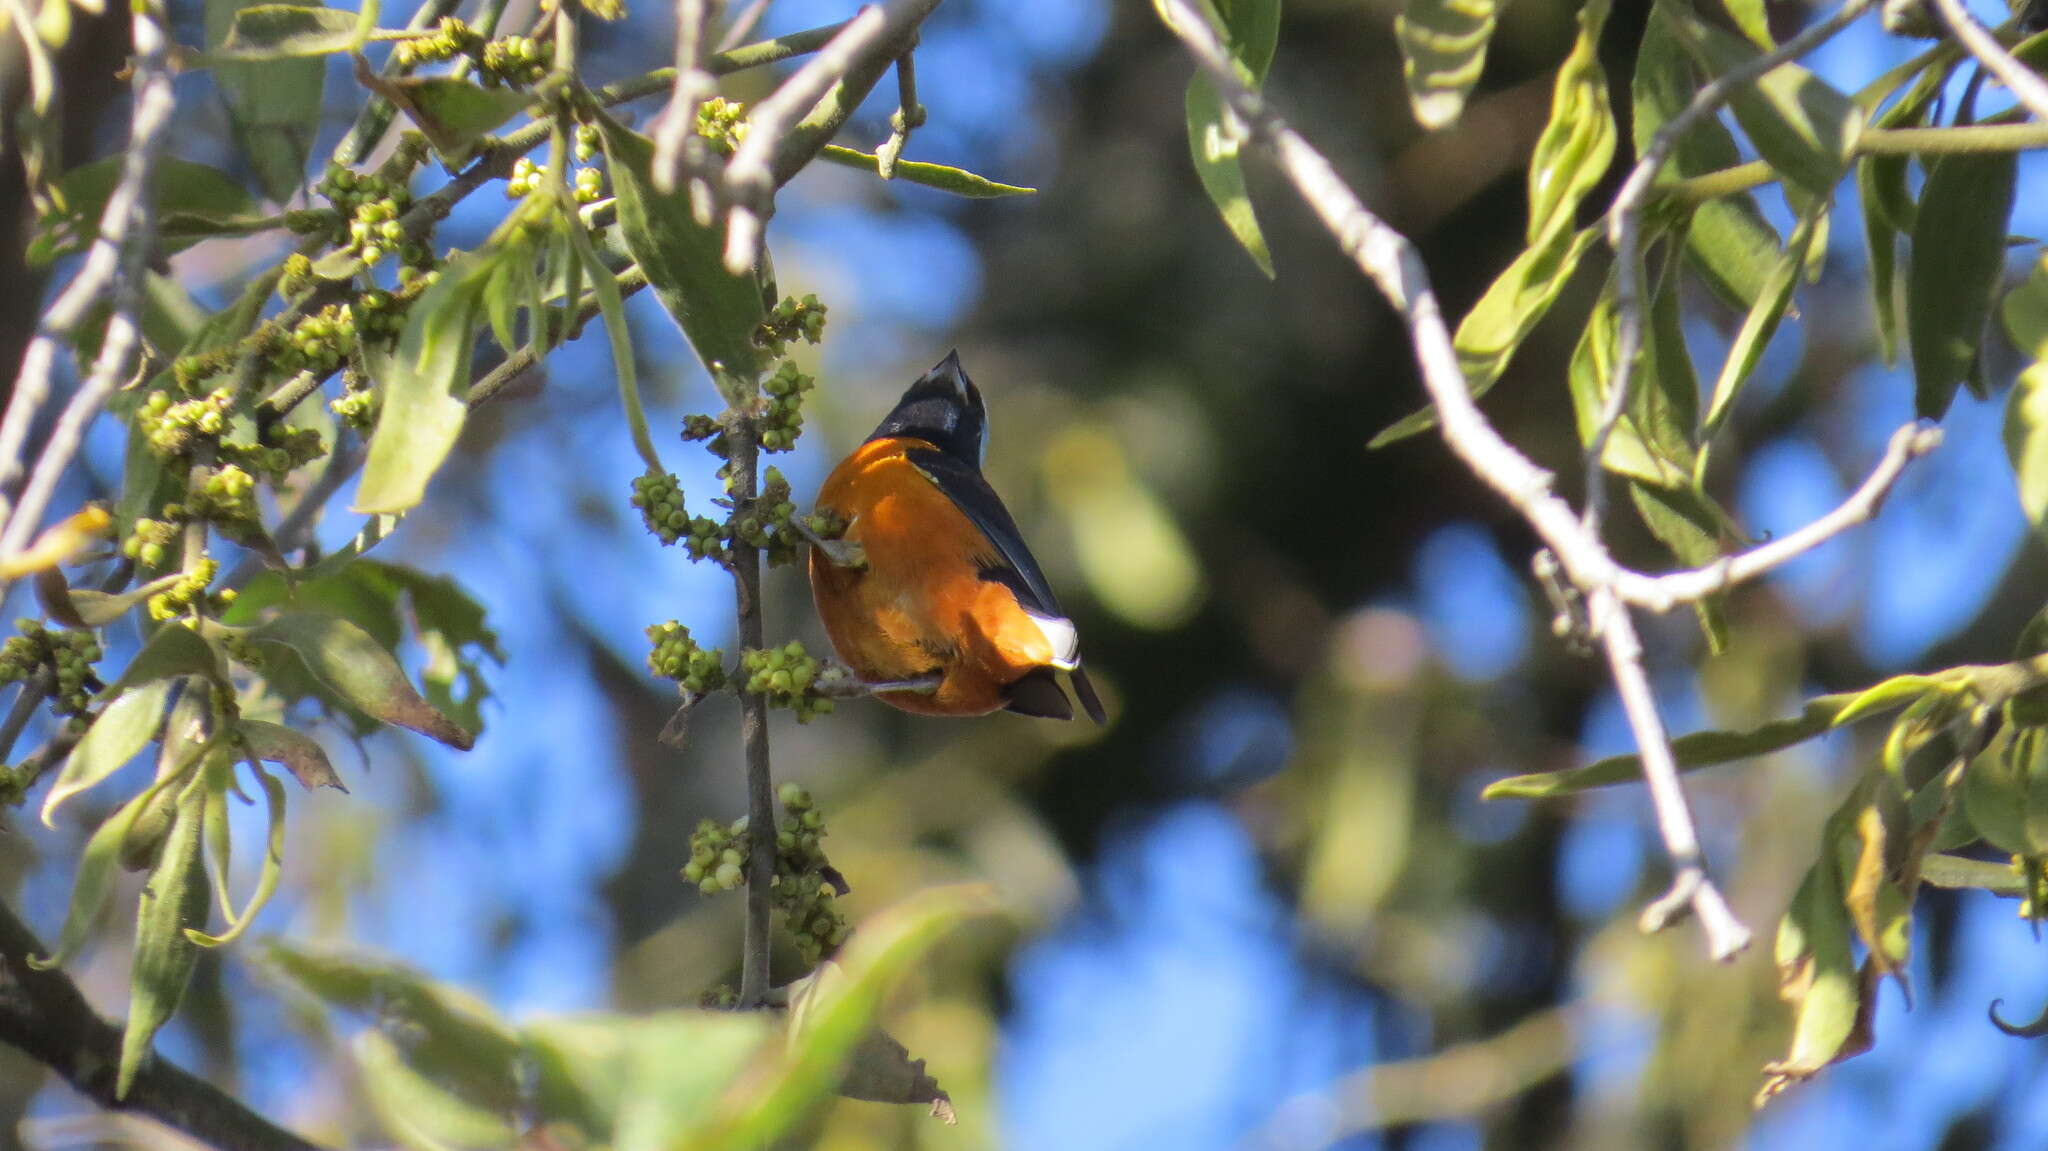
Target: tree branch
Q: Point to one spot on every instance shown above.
(2026, 86)
(1391, 262)
(43, 1015)
(746, 572)
(113, 269)
(678, 149)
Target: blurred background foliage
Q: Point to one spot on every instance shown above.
(1266, 907)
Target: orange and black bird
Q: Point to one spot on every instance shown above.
(949, 602)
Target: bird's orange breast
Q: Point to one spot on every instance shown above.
(920, 606)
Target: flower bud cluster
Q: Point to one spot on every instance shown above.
(787, 675)
(792, 319)
(69, 656)
(722, 121)
(182, 596)
(782, 418)
(172, 428)
(514, 60)
(147, 542)
(803, 891)
(718, 856)
(453, 37)
(373, 203)
(676, 656)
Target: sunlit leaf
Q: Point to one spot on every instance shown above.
(452, 113)
(415, 1110)
(1443, 52)
(422, 386)
(1578, 142)
(684, 260)
(652, 1081)
(1958, 254)
(1637, 448)
(358, 669)
(1880, 238)
(266, 878)
(174, 898)
(1692, 526)
(97, 866)
(1513, 305)
(958, 181)
(1954, 871)
(1773, 301)
(1249, 31)
(116, 736)
(98, 608)
(1816, 974)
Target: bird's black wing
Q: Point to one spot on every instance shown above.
(964, 485)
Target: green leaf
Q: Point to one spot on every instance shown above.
(2026, 442)
(98, 609)
(273, 106)
(612, 307)
(422, 385)
(1700, 749)
(1803, 127)
(1250, 31)
(684, 261)
(1577, 144)
(454, 1038)
(172, 650)
(1729, 243)
(1881, 243)
(1749, 15)
(1958, 255)
(2025, 312)
(653, 1081)
(174, 899)
(1443, 52)
(1773, 302)
(1513, 305)
(1689, 523)
(116, 736)
(1996, 791)
(418, 1112)
(203, 199)
(958, 181)
(266, 879)
(266, 32)
(1647, 442)
(833, 1011)
(1954, 871)
(1816, 972)
(1216, 140)
(2029, 708)
(452, 113)
(357, 668)
(97, 865)
(301, 754)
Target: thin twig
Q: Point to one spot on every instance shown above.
(2026, 86)
(909, 115)
(1391, 262)
(678, 149)
(1625, 231)
(743, 25)
(114, 268)
(750, 175)
(1662, 593)
(745, 563)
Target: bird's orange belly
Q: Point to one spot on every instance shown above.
(920, 607)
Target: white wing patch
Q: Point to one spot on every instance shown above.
(1061, 634)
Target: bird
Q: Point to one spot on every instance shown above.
(945, 611)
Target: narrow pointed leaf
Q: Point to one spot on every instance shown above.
(422, 386)
(1773, 301)
(1578, 142)
(958, 181)
(684, 260)
(274, 106)
(1806, 129)
(266, 878)
(265, 32)
(1958, 255)
(118, 735)
(1443, 52)
(357, 668)
(97, 866)
(174, 898)
(1216, 141)
(301, 754)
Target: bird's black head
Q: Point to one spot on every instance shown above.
(944, 408)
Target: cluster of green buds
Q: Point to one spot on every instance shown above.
(380, 315)
(718, 856)
(189, 372)
(659, 498)
(148, 543)
(766, 523)
(589, 186)
(513, 60)
(787, 675)
(320, 342)
(588, 143)
(357, 404)
(225, 496)
(678, 657)
(172, 427)
(453, 37)
(782, 417)
(296, 278)
(373, 203)
(803, 880)
(722, 121)
(791, 320)
(240, 648)
(278, 452)
(526, 178)
(188, 592)
(69, 655)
